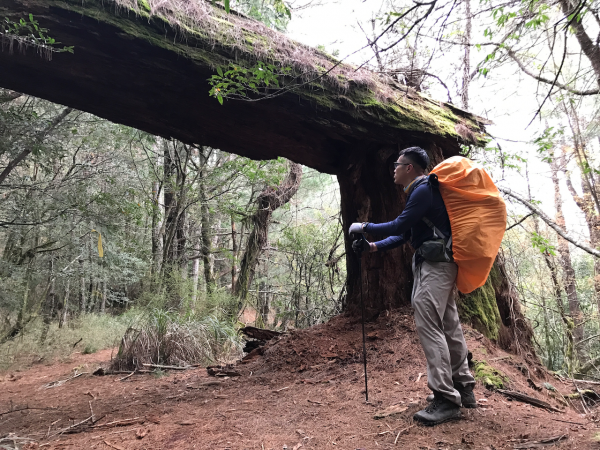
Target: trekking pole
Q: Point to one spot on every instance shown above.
(362, 307)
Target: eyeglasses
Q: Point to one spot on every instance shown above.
(396, 164)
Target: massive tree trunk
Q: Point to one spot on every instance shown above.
(268, 201)
(369, 194)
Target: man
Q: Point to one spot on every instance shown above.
(424, 221)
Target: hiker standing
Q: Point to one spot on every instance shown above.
(425, 223)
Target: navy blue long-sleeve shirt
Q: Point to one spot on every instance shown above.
(424, 201)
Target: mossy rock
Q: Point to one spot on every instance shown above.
(490, 377)
(480, 309)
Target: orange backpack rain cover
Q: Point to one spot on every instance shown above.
(477, 217)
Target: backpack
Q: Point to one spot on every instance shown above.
(477, 216)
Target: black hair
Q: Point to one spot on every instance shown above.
(417, 156)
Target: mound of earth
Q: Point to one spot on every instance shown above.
(305, 391)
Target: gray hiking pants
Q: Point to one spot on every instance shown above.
(439, 329)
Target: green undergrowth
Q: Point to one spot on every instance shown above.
(87, 334)
(490, 377)
(479, 308)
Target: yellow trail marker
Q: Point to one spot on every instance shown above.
(100, 249)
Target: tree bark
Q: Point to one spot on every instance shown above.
(268, 201)
(157, 214)
(65, 309)
(234, 252)
(567, 268)
(587, 206)
(369, 194)
(205, 236)
(467, 56)
(590, 50)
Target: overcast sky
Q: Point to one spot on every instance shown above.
(507, 97)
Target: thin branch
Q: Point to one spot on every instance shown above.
(519, 222)
(550, 222)
(539, 78)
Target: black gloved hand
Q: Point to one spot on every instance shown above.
(361, 245)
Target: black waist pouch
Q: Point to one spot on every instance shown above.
(435, 250)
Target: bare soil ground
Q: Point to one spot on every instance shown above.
(305, 392)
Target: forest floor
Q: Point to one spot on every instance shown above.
(305, 392)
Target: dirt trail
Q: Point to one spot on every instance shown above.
(305, 392)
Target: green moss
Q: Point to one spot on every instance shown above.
(490, 377)
(219, 46)
(144, 5)
(479, 308)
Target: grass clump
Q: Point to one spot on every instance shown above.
(490, 377)
(166, 338)
(89, 349)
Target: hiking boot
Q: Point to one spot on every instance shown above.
(467, 397)
(440, 410)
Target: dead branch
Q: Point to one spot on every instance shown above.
(541, 443)
(27, 407)
(550, 222)
(124, 378)
(69, 429)
(113, 445)
(61, 382)
(527, 399)
(119, 423)
(158, 366)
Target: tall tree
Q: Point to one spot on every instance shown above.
(270, 199)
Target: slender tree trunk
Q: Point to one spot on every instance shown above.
(157, 237)
(195, 273)
(565, 259)
(104, 296)
(82, 290)
(206, 238)
(49, 305)
(268, 201)
(65, 310)
(590, 50)
(234, 252)
(467, 56)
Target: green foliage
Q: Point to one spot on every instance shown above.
(273, 13)
(238, 82)
(542, 244)
(29, 32)
(545, 143)
(98, 332)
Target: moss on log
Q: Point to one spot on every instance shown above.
(145, 63)
(480, 308)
